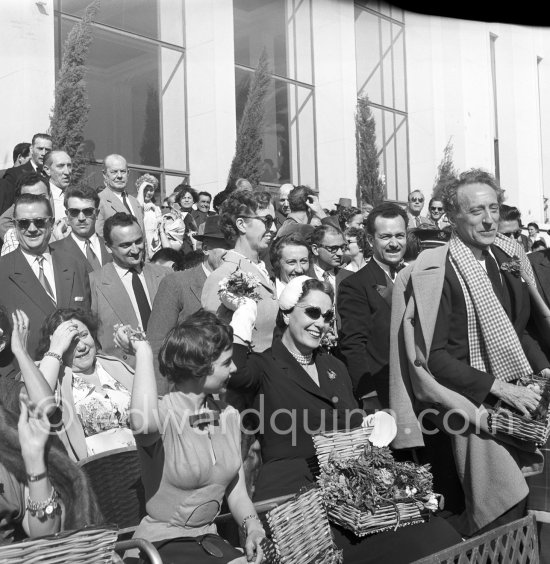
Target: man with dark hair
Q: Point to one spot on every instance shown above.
(29, 183)
(41, 145)
(179, 293)
(436, 216)
(510, 225)
(458, 345)
(203, 208)
(123, 290)
(364, 305)
(81, 207)
(35, 277)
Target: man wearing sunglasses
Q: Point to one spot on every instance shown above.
(414, 208)
(81, 207)
(510, 225)
(364, 305)
(437, 216)
(36, 277)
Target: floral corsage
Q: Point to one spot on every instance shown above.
(513, 266)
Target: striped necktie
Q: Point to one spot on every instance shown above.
(43, 280)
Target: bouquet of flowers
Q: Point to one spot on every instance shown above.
(374, 479)
(329, 340)
(237, 286)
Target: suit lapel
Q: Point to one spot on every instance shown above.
(512, 285)
(379, 281)
(24, 278)
(64, 279)
(105, 255)
(198, 278)
(542, 271)
(115, 293)
(152, 279)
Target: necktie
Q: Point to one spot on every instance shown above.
(494, 276)
(125, 202)
(43, 280)
(141, 299)
(394, 269)
(91, 256)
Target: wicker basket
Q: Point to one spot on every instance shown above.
(91, 545)
(503, 420)
(350, 444)
(300, 532)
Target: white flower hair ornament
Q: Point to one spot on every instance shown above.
(292, 293)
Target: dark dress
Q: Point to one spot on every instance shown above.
(288, 408)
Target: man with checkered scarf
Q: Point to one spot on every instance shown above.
(460, 314)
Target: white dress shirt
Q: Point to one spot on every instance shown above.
(126, 279)
(94, 243)
(48, 268)
(58, 201)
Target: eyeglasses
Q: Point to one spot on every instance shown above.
(333, 249)
(75, 212)
(515, 234)
(314, 313)
(433, 208)
(267, 220)
(417, 200)
(39, 222)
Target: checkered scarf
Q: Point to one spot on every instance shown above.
(494, 344)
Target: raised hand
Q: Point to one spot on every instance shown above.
(63, 337)
(34, 429)
(20, 332)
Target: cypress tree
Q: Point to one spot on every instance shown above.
(247, 161)
(446, 171)
(370, 187)
(70, 112)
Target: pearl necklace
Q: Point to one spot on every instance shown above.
(303, 359)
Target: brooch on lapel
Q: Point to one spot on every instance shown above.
(513, 266)
(204, 418)
(331, 374)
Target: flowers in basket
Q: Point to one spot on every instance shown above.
(374, 479)
(237, 286)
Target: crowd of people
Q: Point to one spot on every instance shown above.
(118, 329)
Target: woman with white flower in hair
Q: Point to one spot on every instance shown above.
(297, 389)
(146, 186)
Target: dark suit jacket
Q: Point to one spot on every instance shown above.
(20, 289)
(449, 353)
(540, 261)
(68, 245)
(178, 296)
(13, 174)
(364, 305)
(275, 381)
(111, 303)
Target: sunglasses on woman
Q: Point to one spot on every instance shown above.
(314, 312)
(267, 220)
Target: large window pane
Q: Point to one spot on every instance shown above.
(387, 70)
(402, 158)
(123, 90)
(304, 121)
(137, 16)
(367, 49)
(399, 68)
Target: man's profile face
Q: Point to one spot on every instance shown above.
(510, 228)
(331, 257)
(416, 202)
(33, 238)
(436, 210)
(127, 245)
(115, 174)
(203, 204)
(389, 242)
(59, 170)
(39, 149)
(476, 222)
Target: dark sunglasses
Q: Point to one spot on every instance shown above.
(333, 249)
(267, 220)
(75, 212)
(418, 200)
(314, 313)
(436, 209)
(516, 234)
(39, 222)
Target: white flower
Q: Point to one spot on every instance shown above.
(432, 503)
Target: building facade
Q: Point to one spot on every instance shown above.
(167, 85)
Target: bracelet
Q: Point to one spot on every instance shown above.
(251, 516)
(37, 477)
(55, 355)
(44, 509)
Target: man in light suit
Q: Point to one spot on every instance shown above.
(36, 277)
(364, 305)
(179, 293)
(124, 290)
(81, 208)
(114, 197)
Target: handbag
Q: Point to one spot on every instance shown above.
(204, 549)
